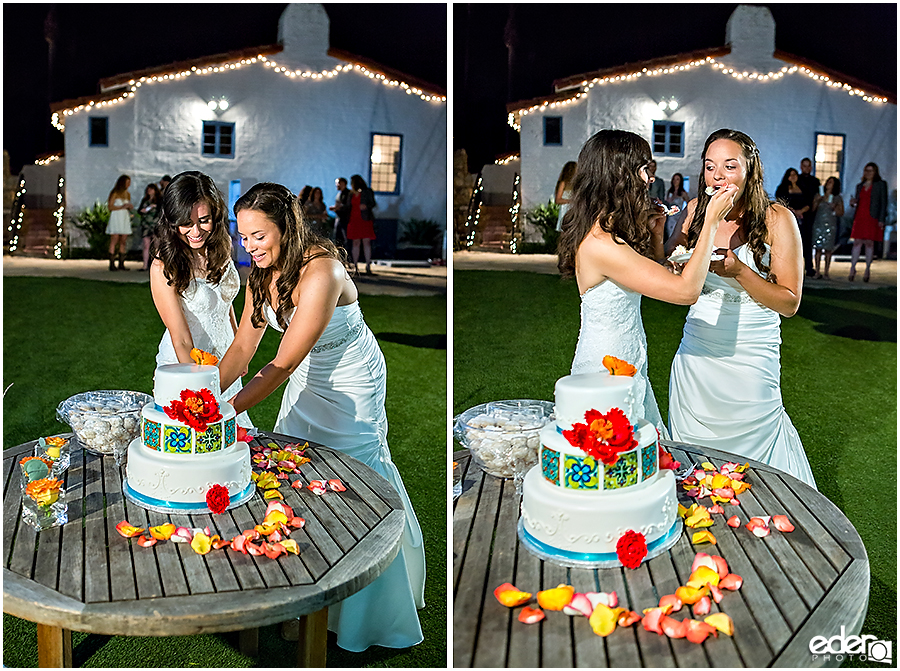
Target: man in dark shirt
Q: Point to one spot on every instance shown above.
(809, 185)
(341, 209)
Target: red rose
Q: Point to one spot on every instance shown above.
(631, 549)
(217, 499)
(196, 409)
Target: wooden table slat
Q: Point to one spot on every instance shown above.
(556, 632)
(373, 494)
(12, 508)
(463, 516)
(220, 569)
(639, 589)
(524, 643)
(348, 514)
(270, 573)
(72, 546)
(591, 651)
(195, 570)
(96, 571)
(173, 581)
(322, 516)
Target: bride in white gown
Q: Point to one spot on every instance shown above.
(193, 279)
(610, 237)
(725, 387)
(335, 392)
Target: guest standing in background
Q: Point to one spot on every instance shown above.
(317, 212)
(148, 214)
(676, 195)
(119, 226)
(791, 195)
(361, 226)
(303, 196)
(828, 208)
(563, 193)
(656, 186)
(870, 202)
(809, 185)
(163, 183)
(341, 209)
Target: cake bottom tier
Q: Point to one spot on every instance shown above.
(591, 523)
(162, 481)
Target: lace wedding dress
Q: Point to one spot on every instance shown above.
(207, 309)
(725, 387)
(335, 397)
(611, 325)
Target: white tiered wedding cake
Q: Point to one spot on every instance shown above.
(188, 443)
(598, 477)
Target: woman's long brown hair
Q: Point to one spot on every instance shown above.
(753, 205)
(184, 191)
(608, 191)
(281, 207)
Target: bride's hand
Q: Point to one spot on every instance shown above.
(721, 202)
(730, 266)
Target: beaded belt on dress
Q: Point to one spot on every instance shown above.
(351, 334)
(727, 297)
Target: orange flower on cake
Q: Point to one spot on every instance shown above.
(618, 367)
(197, 409)
(603, 436)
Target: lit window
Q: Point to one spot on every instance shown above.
(98, 131)
(668, 138)
(384, 174)
(829, 156)
(218, 139)
(553, 131)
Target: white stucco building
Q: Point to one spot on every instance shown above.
(791, 107)
(295, 113)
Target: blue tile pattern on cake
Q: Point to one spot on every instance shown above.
(648, 460)
(230, 432)
(550, 464)
(623, 473)
(581, 473)
(209, 440)
(177, 439)
(150, 433)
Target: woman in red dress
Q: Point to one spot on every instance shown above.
(362, 221)
(870, 202)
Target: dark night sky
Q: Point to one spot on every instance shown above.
(558, 40)
(100, 40)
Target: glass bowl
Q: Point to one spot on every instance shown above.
(104, 422)
(504, 436)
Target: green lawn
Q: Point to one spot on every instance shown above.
(515, 334)
(64, 336)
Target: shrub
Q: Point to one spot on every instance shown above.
(544, 218)
(421, 232)
(93, 222)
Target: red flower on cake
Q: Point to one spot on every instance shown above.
(603, 436)
(217, 499)
(197, 409)
(631, 548)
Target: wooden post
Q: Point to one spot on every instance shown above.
(54, 647)
(248, 642)
(313, 639)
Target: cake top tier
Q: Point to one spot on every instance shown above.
(171, 379)
(576, 394)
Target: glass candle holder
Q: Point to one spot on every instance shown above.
(34, 468)
(44, 504)
(57, 450)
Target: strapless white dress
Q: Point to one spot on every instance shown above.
(611, 325)
(335, 397)
(725, 387)
(119, 220)
(207, 309)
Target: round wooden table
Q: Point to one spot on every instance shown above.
(84, 576)
(812, 582)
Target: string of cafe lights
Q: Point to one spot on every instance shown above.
(514, 216)
(586, 86)
(16, 221)
(506, 160)
(472, 220)
(57, 118)
(47, 160)
(58, 214)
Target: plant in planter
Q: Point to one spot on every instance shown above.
(421, 234)
(93, 222)
(544, 218)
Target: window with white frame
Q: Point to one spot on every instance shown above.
(384, 167)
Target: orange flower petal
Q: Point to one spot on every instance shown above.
(255, 550)
(757, 527)
(273, 550)
(128, 530)
(272, 494)
(316, 487)
(702, 576)
(238, 543)
(163, 532)
(722, 622)
(703, 606)
(512, 597)
(618, 366)
(670, 603)
(291, 546)
(673, 628)
(201, 543)
(731, 581)
(531, 615)
(703, 559)
(336, 485)
(298, 522)
(628, 618)
(721, 566)
(691, 595)
(717, 509)
(145, 542)
(204, 358)
(703, 537)
(782, 523)
(697, 632)
(652, 620)
(715, 593)
(734, 521)
(275, 517)
(603, 620)
(579, 605)
(556, 598)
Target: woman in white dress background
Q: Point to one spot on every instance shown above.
(725, 386)
(611, 241)
(192, 277)
(119, 226)
(335, 393)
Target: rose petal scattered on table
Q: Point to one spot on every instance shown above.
(691, 595)
(510, 596)
(579, 605)
(703, 576)
(697, 632)
(163, 532)
(722, 622)
(670, 603)
(201, 543)
(734, 521)
(703, 537)
(556, 598)
(717, 509)
(757, 527)
(182, 535)
(703, 606)
(129, 530)
(672, 627)
(531, 615)
(652, 620)
(272, 494)
(317, 487)
(145, 542)
(731, 582)
(628, 618)
(782, 523)
(610, 599)
(336, 485)
(291, 546)
(703, 559)
(716, 593)
(603, 620)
